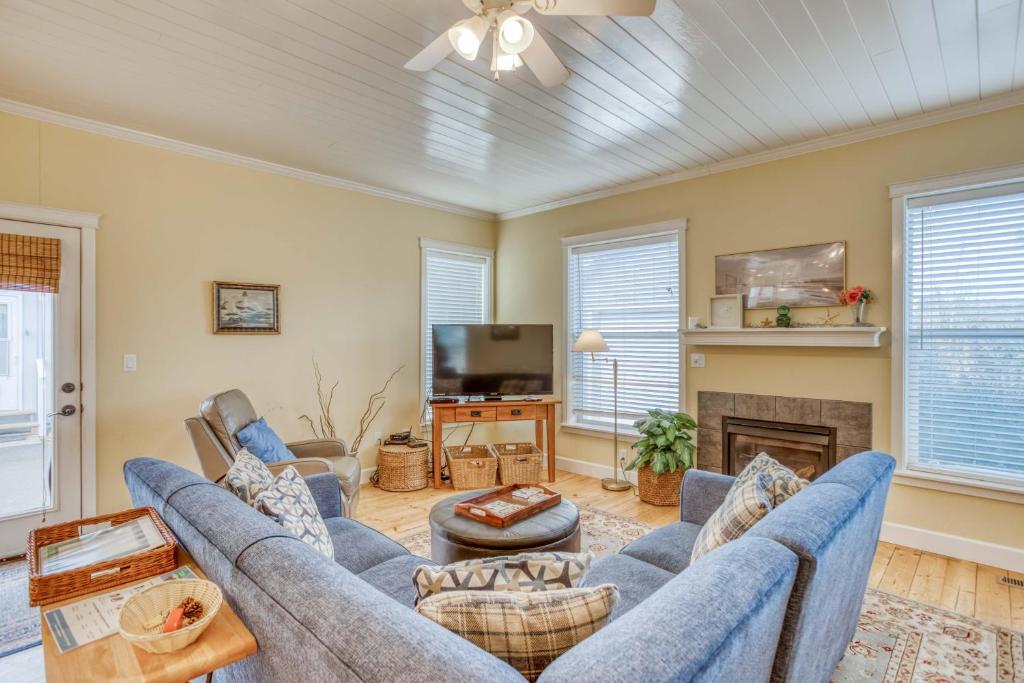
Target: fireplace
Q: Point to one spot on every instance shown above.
(799, 432)
(809, 450)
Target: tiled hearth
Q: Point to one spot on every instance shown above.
(841, 428)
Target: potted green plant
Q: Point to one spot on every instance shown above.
(664, 452)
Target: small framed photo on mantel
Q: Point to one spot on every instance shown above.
(245, 308)
(725, 312)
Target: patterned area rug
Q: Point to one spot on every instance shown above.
(19, 623)
(897, 640)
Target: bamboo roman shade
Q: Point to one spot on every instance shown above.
(29, 264)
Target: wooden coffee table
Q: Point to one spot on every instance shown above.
(225, 641)
(454, 537)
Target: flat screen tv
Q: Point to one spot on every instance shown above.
(493, 360)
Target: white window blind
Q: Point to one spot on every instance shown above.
(628, 290)
(456, 290)
(963, 349)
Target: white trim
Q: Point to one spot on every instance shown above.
(456, 248)
(583, 467)
(88, 223)
(960, 111)
(847, 336)
(625, 436)
(212, 154)
(620, 234)
(951, 484)
(44, 215)
(984, 177)
(982, 552)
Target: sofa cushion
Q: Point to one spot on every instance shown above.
(289, 502)
(357, 547)
(525, 573)
(391, 577)
(785, 482)
(527, 630)
(247, 477)
(635, 579)
(263, 442)
(667, 548)
(746, 503)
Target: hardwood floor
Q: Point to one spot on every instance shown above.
(957, 585)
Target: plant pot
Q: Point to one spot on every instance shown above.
(659, 489)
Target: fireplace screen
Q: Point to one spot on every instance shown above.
(808, 450)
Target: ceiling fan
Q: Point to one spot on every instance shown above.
(515, 41)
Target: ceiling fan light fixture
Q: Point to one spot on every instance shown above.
(504, 61)
(467, 36)
(515, 33)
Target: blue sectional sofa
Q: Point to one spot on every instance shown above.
(778, 604)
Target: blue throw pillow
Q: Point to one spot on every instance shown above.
(260, 440)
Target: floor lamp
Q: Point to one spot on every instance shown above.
(591, 341)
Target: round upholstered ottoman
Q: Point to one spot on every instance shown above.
(454, 537)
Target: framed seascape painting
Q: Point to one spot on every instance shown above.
(241, 308)
(795, 276)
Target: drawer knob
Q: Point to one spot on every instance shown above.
(517, 411)
(475, 413)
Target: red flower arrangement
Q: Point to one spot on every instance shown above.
(856, 295)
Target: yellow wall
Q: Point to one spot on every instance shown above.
(837, 194)
(348, 265)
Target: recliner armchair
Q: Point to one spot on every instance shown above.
(222, 415)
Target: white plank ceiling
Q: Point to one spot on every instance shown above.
(319, 85)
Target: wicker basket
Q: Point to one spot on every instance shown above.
(43, 590)
(471, 467)
(402, 468)
(518, 463)
(142, 617)
(659, 489)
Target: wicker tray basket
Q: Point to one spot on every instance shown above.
(659, 489)
(518, 463)
(471, 467)
(142, 617)
(43, 590)
(402, 468)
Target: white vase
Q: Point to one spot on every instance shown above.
(860, 313)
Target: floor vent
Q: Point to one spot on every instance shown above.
(1012, 581)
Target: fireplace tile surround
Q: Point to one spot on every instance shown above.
(851, 419)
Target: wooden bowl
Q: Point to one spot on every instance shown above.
(142, 617)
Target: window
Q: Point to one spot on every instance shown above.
(962, 349)
(627, 288)
(456, 289)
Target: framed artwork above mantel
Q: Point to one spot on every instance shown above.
(799, 277)
(246, 308)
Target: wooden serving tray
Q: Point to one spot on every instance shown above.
(473, 507)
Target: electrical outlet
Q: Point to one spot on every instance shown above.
(377, 437)
(131, 362)
(696, 360)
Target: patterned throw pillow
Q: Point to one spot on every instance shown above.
(524, 573)
(746, 502)
(289, 502)
(527, 630)
(247, 477)
(785, 482)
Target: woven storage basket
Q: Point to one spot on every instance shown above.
(44, 589)
(142, 617)
(471, 467)
(518, 463)
(659, 489)
(402, 468)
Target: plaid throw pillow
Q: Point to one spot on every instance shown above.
(525, 573)
(247, 477)
(289, 502)
(746, 503)
(785, 483)
(527, 630)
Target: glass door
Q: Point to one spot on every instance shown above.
(40, 412)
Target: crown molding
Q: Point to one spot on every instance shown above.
(960, 111)
(121, 133)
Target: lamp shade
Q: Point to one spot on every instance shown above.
(590, 341)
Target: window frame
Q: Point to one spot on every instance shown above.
(678, 228)
(901, 194)
(427, 245)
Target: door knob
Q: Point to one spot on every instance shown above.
(65, 411)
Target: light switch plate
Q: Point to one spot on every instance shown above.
(131, 362)
(696, 360)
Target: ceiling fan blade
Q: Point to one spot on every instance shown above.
(596, 8)
(432, 54)
(544, 63)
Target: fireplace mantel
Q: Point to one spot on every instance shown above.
(848, 336)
